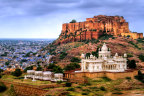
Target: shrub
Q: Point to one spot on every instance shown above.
(94, 41)
(131, 42)
(59, 82)
(11, 91)
(84, 93)
(140, 76)
(129, 55)
(102, 88)
(117, 89)
(93, 87)
(75, 59)
(141, 57)
(62, 55)
(118, 93)
(2, 87)
(68, 84)
(78, 87)
(128, 78)
(70, 89)
(73, 21)
(17, 72)
(106, 37)
(106, 79)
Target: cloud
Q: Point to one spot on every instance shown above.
(28, 11)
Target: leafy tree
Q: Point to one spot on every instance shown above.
(17, 72)
(71, 66)
(95, 53)
(87, 54)
(51, 66)
(128, 36)
(57, 69)
(75, 59)
(2, 87)
(38, 62)
(140, 73)
(102, 88)
(131, 64)
(106, 37)
(62, 55)
(1, 70)
(28, 68)
(73, 21)
(39, 68)
(7, 63)
(68, 84)
(140, 76)
(141, 57)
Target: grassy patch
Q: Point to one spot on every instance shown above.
(11, 78)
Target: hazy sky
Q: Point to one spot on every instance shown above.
(44, 18)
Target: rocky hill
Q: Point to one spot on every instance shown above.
(64, 52)
(95, 27)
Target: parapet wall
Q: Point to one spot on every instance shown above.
(133, 35)
(79, 76)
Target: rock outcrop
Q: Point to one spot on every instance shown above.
(94, 27)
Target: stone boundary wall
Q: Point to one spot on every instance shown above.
(30, 90)
(78, 77)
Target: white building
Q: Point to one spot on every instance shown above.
(104, 62)
(46, 75)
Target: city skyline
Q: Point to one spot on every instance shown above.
(44, 18)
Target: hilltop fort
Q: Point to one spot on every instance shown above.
(94, 27)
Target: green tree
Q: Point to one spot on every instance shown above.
(131, 64)
(28, 68)
(95, 53)
(7, 63)
(17, 72)
(51, 66)
(2, 87)
(73, 21)
(57, 69)
(1, 70)
(128, 36)
(39, 68)
(62, 55)
(87, 54)
(141, 57)
(71, 66)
